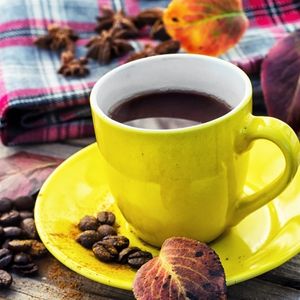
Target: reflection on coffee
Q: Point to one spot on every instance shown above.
(168, 109)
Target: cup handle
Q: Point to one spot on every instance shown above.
(285, 138)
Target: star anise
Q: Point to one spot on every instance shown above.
(111, 19)
(72, 66)
(107, 45)
(148, 17)
(158, 31)
(153, 17)
(166, 47)
(56, 38)
(148, 50)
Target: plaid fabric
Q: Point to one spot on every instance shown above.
(38, 105)
(270, 20)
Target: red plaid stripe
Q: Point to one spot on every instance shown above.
(267, 13)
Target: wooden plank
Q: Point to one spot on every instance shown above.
(58, 282)
(288, 274)
(80, 142)
(62, 150)
(29, 288)
(55, 281)
(57, 150)
(257, 289)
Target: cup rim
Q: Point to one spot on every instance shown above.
(96, 109)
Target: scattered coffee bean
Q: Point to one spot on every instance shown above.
(123, 255)
(5, 205)
(105, 230)
(106, 245)
(12, 231)
(20, 245)
(10, 218)
(88, 223)
(22, 258)
(5, 279)
(88, 238)
(137, 259)
(5, 258)
(106, 217)
(5, 244)
(118, 241)
(24, 203)
(29, 228)
(28, 269)
(105, 252)
(17, 223)
(24, 214)
(37, 249)
(35, 194)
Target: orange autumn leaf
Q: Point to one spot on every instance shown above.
(208, 27)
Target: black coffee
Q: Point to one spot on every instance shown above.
(168, 109)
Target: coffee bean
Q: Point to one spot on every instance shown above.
(5, 258)
(5, 279)
(105, 230)
(105, 252)
(28, 269)
(123, 255)
(29, 228)
(20, 245)
(37, 249)
(88, 238)
(12, 232)
(24, 214)
(106, 217)
(10, 218)
(137, 259)
(118, 241)
(5, 244)
(88, 223)
(22, 258)
(5, 205)
(35, 194)
(24, 203)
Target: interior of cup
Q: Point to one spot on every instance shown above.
(172, 72)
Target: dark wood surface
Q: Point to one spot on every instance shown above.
(57, 282)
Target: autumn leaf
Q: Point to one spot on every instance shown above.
(184, 269)
(280, 78)
(208, 27)
(24, 173)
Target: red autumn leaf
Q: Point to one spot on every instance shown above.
(280, 77)
(24, 173)
(208, 27)
(184, 269)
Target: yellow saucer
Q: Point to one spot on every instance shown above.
(78, 187)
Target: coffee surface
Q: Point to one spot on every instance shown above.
(168, 109)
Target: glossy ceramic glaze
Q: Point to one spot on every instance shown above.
(262, 241)
(188, 181)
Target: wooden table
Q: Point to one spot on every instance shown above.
(56, 282)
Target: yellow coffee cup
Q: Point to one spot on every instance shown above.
(187, 181)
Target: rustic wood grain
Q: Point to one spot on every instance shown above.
(62, 150)
(288, 274)
(56, 282)
(257, 289)
(77, 287)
